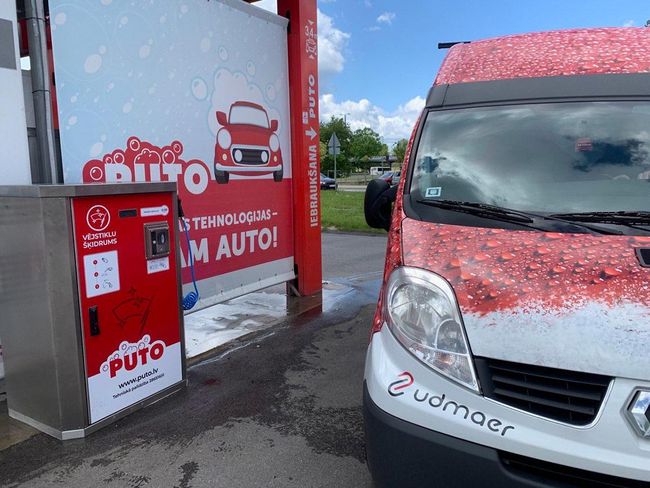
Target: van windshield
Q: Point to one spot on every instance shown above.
(545, 158)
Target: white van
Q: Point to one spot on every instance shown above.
(510, 343)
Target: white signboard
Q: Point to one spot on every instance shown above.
(191, 91)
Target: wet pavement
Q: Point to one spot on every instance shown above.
(279, 409)
(11, 431)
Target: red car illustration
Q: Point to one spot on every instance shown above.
(247, 143)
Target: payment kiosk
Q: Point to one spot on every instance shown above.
(90, 293)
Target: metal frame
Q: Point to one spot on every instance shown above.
(65, 435)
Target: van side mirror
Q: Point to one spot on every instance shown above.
(274, 125)
(222, 118)
(378, 203)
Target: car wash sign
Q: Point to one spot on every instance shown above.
(190, 91)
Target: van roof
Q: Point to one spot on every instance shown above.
(553, 53)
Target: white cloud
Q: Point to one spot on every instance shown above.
(629, 23)
(363, 113)
(386, 18)
(270, 5)
(331, 41)
(331, 44)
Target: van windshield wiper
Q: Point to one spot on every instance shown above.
(480, 209)
(509, 215)
(618, 217)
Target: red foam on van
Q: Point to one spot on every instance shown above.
(497, 269)
(555, 53)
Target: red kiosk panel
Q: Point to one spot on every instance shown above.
(128, 289)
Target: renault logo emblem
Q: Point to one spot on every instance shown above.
(638, 412)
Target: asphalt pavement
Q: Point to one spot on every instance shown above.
(281, 409)
(349, 255)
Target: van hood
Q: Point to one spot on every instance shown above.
(572, 301)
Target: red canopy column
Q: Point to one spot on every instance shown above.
(303, 91)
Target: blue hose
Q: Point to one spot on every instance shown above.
(192, 297)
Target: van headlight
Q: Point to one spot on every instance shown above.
(422, 313)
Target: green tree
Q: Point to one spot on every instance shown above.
(344, 134)
(364, 144)
(342, 129)
(323, 150)
(399, 150)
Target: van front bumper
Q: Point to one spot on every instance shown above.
(402, 387)
(406, 455)
(403, 454)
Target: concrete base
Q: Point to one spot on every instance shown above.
(12, 431)
(298, 305)
(66, 435)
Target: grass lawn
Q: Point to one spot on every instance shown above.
(343, 210)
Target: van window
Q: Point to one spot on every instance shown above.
(544, 158)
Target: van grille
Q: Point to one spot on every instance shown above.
(567, 396)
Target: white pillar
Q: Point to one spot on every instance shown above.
(14, 151)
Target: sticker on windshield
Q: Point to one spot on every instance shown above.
(433, 191)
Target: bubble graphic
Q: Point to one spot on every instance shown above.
(96, 149)
(250, 68)
(127, 107)
(144, 51)
(223, 53)
(106, 2)
(124, 20)
(205, 44)
(270, 92)
(184, 9)
(102, 49)
(72, 120)
(60, 18)
(103, 138)
(93, 63)
(199, 89)
(74, 98)
(163, 19)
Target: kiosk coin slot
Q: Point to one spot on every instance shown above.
(156, 240)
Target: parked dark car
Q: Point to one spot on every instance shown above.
(391, 177)
(327, 183)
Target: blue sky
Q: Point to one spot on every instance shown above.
(378, 58)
